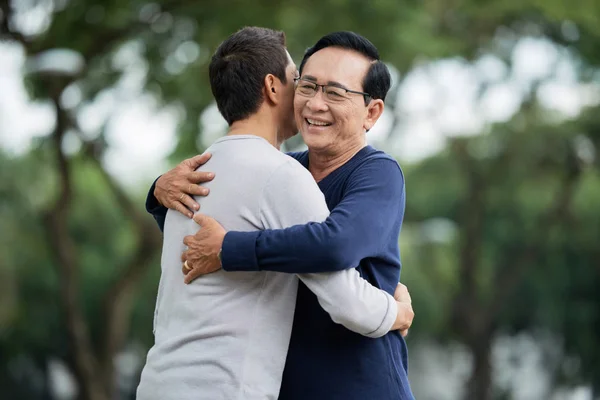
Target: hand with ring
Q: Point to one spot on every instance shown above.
(203, 249)
(176, 188)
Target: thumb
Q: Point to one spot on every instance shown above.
(198, 160)
(200, 219)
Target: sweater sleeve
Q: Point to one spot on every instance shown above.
(373, 202)
(158, 211)
(292, 197)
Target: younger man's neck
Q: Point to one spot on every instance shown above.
(256, 126)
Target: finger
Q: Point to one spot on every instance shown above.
(189, 203)
(401, 293)
(200, 176)
(200, 219)
(404, 332)
(188, 240)
(406, 296)
(197, 161)
(184, 256)
(184, 210)
(174, 195)
(406, 314)
(194, 189)
(398, 291)
(191, 275)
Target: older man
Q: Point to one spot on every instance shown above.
(339, 96)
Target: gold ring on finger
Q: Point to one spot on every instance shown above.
(181, 197)
(186, 266)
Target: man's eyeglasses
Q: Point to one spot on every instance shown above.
(332, 93)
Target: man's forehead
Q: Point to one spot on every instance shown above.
(336, 64)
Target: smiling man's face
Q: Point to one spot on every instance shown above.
(327, 126)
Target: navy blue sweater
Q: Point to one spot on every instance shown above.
(325, 360)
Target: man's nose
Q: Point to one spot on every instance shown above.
(317, 102)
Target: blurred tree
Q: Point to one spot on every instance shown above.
(520, 209)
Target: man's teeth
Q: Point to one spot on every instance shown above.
(318, 123)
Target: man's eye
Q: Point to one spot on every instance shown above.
(334, 93)
(307, 86)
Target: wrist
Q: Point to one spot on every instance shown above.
(156, 191)
(158, 202)
(151, 199)
(239, 251)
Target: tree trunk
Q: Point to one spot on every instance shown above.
(479, 386)
(85, 362)
(469, 317)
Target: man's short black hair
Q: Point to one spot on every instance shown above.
(239, 66)
(377, 81)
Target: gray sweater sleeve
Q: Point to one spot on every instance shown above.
(292, 197)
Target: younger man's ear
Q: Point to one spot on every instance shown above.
(272, 88)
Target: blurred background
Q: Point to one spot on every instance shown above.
(494, 116)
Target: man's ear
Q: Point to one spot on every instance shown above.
(272, 88)
(374, 111)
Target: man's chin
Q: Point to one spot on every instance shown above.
(315, 143)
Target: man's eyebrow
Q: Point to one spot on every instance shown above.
(337, 84)
(330, 83)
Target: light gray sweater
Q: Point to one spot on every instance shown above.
(225, 336)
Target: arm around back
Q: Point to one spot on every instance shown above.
(292, 197)
(372, 205)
